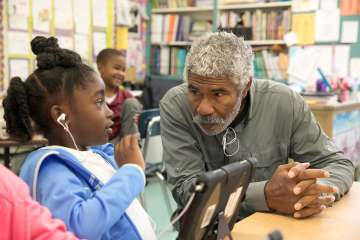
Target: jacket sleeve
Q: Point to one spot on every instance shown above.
(310, 144)
(181, 153)
(88, 214)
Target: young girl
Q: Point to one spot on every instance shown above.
(81, 185)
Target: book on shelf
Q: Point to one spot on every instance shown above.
(175, 3)
(269, 65)
(224, 2)
(167, 60)
(167, 28)
(265, 25)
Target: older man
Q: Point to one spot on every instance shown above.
(220, 115)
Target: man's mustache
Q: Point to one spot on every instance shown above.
(208, 119)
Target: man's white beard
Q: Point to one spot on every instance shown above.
(221, 123)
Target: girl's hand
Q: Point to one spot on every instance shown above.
(128, 151)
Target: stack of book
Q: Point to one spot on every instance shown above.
(167, 28)
(268, 65)
(167, 60)
(178, 3)
(265, 25)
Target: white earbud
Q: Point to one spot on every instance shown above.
(62, 121)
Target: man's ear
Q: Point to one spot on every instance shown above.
(247, 88)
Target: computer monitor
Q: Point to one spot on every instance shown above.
(216, 205)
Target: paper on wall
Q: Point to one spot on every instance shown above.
(82, 45)
(327, 25)
(135, 58)
(82, 16)
(99, 13)
(304, 27)
(19, 68)
(350, 30)
(304, 5)
(63, 14)
(122, 12)
(355, 68)
(328, 4)
(18, 43)
(18, 14)
(99, 42)
(66, 42)
(303, 64)
(121, 38)
(341, 60)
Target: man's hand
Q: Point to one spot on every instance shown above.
(315, 197)
(292, 183)
(128, 151)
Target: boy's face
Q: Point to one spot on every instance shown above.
(89, 117)
(113, 71)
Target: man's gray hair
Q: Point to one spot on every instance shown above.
(221, 54)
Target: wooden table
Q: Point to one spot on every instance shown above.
(342, 221)
(7, 143)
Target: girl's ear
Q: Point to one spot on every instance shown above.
(55, 112)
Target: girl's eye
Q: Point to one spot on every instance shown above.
(100, 102)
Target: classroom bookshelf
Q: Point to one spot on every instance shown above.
(175, 24)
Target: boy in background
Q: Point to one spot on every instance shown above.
(111, 64)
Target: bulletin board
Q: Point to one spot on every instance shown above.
(328, 34)
(85, 26)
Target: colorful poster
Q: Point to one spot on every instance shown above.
(135, 27)
(41, 15)
(18, 14)
(346, 134)
(135, 58)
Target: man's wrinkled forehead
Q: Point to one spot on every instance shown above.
(194, 78)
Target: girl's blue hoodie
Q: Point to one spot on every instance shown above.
(90, 209)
